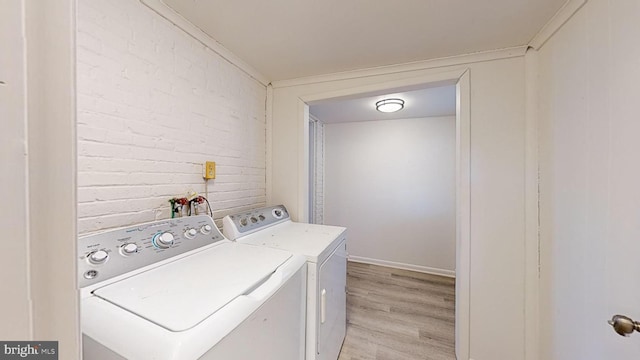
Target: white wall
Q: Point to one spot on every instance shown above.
(497, 184)
(392, 183)
(15, 307)
(153, 105)
(588, 95)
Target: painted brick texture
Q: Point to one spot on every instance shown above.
(153, 105)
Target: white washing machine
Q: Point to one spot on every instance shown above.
(325, 250)
(177, 289)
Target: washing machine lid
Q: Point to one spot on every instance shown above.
(181, 294)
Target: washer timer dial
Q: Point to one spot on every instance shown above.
(163, 240)
(98, 257)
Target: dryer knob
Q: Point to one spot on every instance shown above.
(98, 257)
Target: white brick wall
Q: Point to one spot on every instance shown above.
(153, 105)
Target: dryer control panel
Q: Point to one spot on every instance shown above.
(245, 223)
(104, 255)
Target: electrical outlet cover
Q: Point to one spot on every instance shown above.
(210, 170)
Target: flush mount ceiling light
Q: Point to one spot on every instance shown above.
(389, 105)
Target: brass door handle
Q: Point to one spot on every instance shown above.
(624, 325)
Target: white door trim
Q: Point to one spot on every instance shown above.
(463, 215)
(50, 30)
(463, 177)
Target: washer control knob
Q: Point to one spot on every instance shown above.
(128, 249)
(191, 233)
(205, 229)
(98, 257)
(163, 240)
(243, 221)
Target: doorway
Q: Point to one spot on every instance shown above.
(390, 179)
(388, 175)
(460, 80)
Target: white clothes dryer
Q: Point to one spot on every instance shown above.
(177, 289)
(325, 250)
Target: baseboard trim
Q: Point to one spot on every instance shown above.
(403, 266)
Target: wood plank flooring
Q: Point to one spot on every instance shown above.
(398, 314)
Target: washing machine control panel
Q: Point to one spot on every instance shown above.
(104, 255)
(245, 223)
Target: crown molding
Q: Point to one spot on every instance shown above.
(552, 26)
(185, 25)
(412, 66)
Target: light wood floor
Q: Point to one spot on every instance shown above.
(398, 314)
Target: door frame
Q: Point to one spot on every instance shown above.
(313, 150)
(461, 78)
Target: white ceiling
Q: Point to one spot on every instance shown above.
(285, 39)
(436, 101)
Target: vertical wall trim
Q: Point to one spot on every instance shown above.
(317, 208)
(463, 216)
(51, 92)
(269, 145)
(303, 162)
(313, 147)
(25, 106)
(532, 230)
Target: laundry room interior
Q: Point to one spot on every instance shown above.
(209, 180)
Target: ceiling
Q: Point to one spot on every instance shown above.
(435, 101)
(285, 39)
